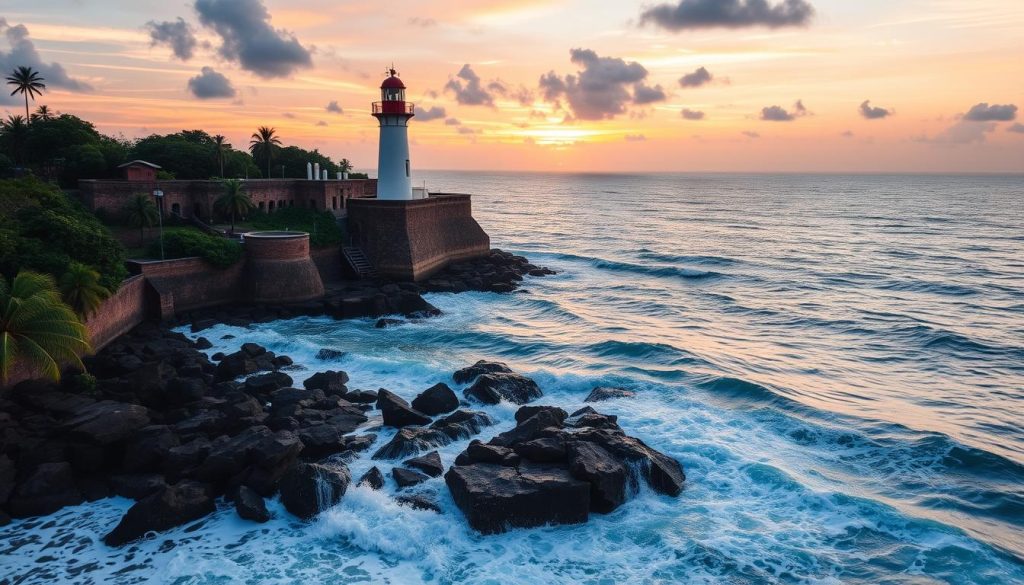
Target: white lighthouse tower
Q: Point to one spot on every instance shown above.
(393, 112)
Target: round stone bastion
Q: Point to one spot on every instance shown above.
(278, 268)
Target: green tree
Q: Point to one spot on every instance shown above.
(263, 142)
(14, 131)
(234, 202)
(37, 328)
(42, 113)
(344, 165)
(142, 213)
(221, 143)
(27, 82)
(80, 286)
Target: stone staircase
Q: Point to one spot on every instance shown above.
(359, 262)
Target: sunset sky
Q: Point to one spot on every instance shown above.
(680, 85)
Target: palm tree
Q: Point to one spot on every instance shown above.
(42, 113)
(263, 142)
(344, 165)
(222, 145)
(37, 328)
(141, 213)
(80, 286)
(15, 130)
(27, 82)
(234, 202)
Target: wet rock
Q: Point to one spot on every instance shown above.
(543, 450)
(137, 486)
(438, 399)
(544, 423)
(372, 479)
(412, 441)
(47, 489)
(250, 505)
(429, 464)
(493, 388)
(606, 476)
(263, 385)
(397, 412)
(407, 477)
(322, 440)
(359, 442)
(203, 343)
(331, 382)
(495, 498)
(417, 502)
(595, 421)
(106, 422)
(607, 393)
(478, 452)
(468, 374)
(172, 506)
(310, 488)
(526, 412)
(327, 353)
(663, 473)
(362, 397)
(462, 424)
(384, 323)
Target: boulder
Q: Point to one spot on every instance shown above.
(462, 424)
(250, 505)
(545, 423)
(663, 473)
(493, 388)
(331, 382)
(417, 502)
(607, 393)
(172, 506)
(361, 397)
(468, 374)
(407, 477)
(372, 479)
(322, 440)
(253, 349)
(429, 464)
(203, 343)
(47, 489)
(137, 485)
(438, 399)
(478, 452)
(106, 422)
(310, 488)
(412, 441)
(327, 353)
(263, 385)
(397, 412)
(606, 476)
(384, 323)
(178, 461)
(526, 412)
(543, 450)
(595, 421)
(495, 498)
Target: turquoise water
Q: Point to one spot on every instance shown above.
(838, 362)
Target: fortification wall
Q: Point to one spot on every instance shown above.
(415, 239)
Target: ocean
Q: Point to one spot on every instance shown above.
(837, 361)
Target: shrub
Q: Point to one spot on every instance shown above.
(322, 225)
(184, 243)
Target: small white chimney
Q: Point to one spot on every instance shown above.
(339, 175)
(309, 171)
(344, 175)
(316, 171)
(325, 174)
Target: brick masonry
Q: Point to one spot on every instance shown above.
(411, 240)
(195, 198)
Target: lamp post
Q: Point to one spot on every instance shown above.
(159, 194)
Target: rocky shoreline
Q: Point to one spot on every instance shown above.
(161, 423)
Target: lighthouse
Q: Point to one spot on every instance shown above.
(394, 180)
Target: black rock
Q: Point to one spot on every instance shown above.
(594, 420)
(478, 452)
(429, 464)
(397, 412)
(384, 323)
(106, 422)
(438, 399)
(468, 374)
(407, 477)
(253, 349)
(582, 411)
(310, 488)
(418, 503)
(526, 412)
(545, 423)
(137, 486)
(203, 343)
(495, 498)
(47, 489)
(331, 382)
(493, 388)
(250, 505)
(606, 476)
(172, 506)
(412, 441)
(329, 354)
(263, 385)
(373, 479)
(7, 473)
(606, 393)
(361, 396)
(543, 450)
(201, 324)
(662, 473)
(322, 440)
(462, 424)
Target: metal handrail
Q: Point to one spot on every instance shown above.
(394, 108)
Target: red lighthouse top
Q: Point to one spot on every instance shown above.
(392, 97)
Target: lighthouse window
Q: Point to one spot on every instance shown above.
(406, 167)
